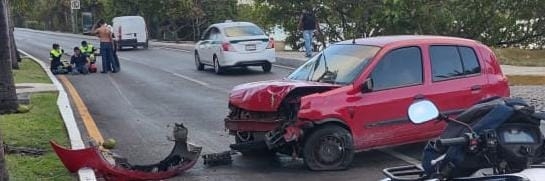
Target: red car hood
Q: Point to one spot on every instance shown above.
(266, 96)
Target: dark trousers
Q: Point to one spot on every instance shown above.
(115, 62)
(107, 52)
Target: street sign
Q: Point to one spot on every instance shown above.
(75, 4)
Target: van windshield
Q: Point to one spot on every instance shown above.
(235, 31)
(338, 64)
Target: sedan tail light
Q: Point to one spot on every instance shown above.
(271, 43)
(226, 46)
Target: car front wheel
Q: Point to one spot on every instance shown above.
(328, 148)
(198, 63)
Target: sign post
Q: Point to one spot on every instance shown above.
(75, 5)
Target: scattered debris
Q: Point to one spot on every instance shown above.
(114, 167)
(23, 150)
(216, 159)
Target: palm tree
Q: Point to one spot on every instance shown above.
(8, 97)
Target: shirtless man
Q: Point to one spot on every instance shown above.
(106, 47)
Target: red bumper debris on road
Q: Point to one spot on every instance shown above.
(112, 167)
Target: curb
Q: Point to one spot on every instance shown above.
(67, 114)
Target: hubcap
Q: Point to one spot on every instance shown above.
(330, 150)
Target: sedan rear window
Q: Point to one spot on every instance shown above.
(235, 31)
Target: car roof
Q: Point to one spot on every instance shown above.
(231, 24)
(382, 41)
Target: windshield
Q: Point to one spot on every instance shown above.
(338, 64)
(243, 31)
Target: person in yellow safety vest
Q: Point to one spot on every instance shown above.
(55, 57)
(88, 50)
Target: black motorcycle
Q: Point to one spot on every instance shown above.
(498, 139)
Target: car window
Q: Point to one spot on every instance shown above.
(214, 34)
(449, 62)
(338, 64)
(206, 35)
(235, 31)
(400, 67)
(470, 61)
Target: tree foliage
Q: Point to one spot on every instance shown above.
(494, 22)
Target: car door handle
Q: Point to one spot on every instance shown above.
(419, 96)
(475, 87)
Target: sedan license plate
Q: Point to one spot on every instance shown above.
(250, 47)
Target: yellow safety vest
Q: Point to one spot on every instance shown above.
(87, 49)
(56, 53)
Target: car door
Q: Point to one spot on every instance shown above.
(203, 47)
(215, 47)
(382, 112)
(456, 78)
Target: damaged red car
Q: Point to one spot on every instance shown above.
(353, 97)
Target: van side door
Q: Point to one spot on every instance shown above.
(203, 47)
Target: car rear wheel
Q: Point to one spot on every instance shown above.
(217, 67)
(266, 67)
(328, 148)
(198, 63)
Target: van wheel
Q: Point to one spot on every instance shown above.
(266, 67)
(328, 148)
(198, 63)
(146, 45)
(217, 67)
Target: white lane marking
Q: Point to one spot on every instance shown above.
(400, 156)
(286, 67)
(191, 79)
(173, 49)
(67, 114)
(177, 75)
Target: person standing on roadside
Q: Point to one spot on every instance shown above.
(308, 24)
(115, 62)
(106, 47)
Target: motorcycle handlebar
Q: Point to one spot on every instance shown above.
(453, 141)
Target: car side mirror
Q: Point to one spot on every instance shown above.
(367, 86)
(422, 111)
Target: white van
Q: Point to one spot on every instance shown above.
(130, 31)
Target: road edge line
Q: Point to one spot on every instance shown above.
(67, 114)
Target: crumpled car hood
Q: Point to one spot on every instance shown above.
(266, 96)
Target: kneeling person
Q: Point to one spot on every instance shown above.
(79, 62)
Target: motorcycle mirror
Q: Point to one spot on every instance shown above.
(422, 111)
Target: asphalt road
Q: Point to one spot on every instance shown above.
(159, 87)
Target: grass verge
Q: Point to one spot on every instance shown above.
(520, 57)
(34, 129)
(30, 72)
(526, 80)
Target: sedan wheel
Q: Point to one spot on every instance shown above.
(198, 63)
(266, 67)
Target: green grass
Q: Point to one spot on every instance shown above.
(526, 80)
(35, 129)
(30, 72)
(520, 57)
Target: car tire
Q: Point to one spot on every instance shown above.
(217, 67)
(328, 148)
(198, 64)
(266, 67)
(146, 45)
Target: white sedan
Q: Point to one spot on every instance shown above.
(234, 44)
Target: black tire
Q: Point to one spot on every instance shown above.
(266, 67)
(198, 64)
(217, 67)
(146, 45)
(328, 148)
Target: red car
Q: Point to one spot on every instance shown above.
(353, 96)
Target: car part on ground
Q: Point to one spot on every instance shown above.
(113, 167)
